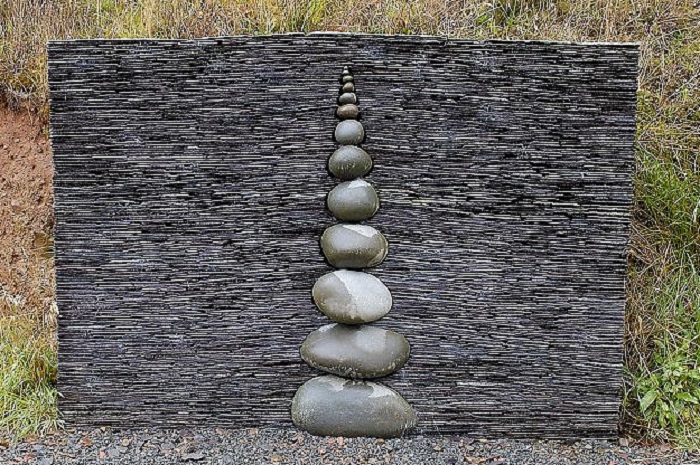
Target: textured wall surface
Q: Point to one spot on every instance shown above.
(190, 186)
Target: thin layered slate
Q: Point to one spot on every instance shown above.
(190, 185)
(323, 405)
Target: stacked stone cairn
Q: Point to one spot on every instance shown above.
(344, 403)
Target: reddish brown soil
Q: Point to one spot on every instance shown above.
(26, 218)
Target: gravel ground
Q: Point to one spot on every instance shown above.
(286, 446)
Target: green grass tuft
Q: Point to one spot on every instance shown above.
(666, 384)
(27, 382)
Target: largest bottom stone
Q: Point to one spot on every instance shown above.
(333, 406)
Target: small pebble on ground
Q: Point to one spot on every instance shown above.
(217, 446)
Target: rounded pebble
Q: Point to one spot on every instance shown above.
(348, 111)
(349, 132)
(355, 351)
(353, 201)
(347, 97)
(354, 246)
(333, 406)
(349, 162)
(351, 297)
(347, 78)
(348, 87)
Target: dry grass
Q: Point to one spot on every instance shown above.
(28, 24)
(663, 320)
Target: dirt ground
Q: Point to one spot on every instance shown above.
(26, 219)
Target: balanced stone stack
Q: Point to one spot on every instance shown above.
(344, 403)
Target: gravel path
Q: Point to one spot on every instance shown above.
(286, 446)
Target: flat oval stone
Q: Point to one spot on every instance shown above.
(351, 297)
(353, 200)
(347, 78)
(353, 246)
(349, 132)
(355, 351)
(348, 111)
(349, 162)
(333, 406)
(348, 87)
(347, 97)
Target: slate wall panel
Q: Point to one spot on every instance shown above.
(190, 185)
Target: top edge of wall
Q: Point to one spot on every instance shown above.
(345, 35)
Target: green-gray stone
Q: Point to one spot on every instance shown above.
(349, 162)
(353, 200)
(348, 87)
(333, 406)
(355, 351)
(348, 111)
(347, 97)
(351, 297)
(353, 246)
(349, 132)
(347, 78)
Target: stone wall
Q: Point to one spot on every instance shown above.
(190, 185)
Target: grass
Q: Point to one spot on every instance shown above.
(27, 391)
(662, 389)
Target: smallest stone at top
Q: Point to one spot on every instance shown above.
(346, 78)
(347, 90)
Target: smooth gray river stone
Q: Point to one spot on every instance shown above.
(353, 246)
(348, 111)
(333, 406)
(353, 200)
(359, 351)
(349, 162)
(347, 97)
(349, 132)
(351, 297)
(348, 87)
